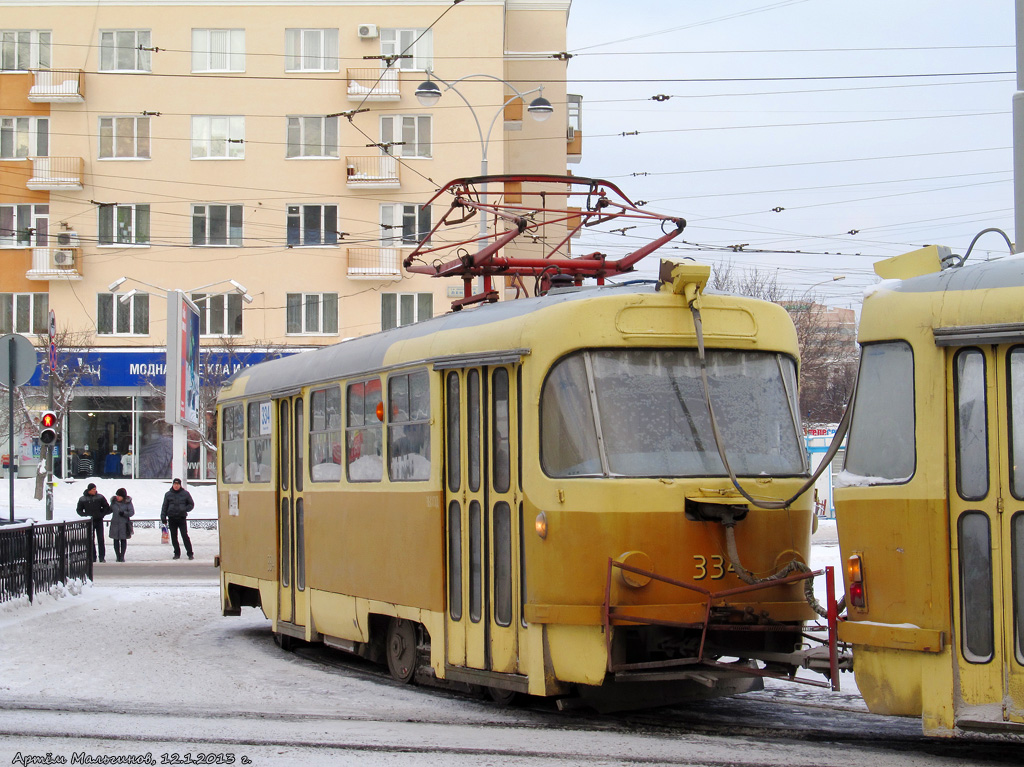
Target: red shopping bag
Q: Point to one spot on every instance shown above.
(165, 536)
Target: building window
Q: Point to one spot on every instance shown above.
(24, 313)
(124, 225)
(24, 226)
(406, 135)
(312, 136)
(218, 137)
(311, 50)
(125, 50)
(416, 43)
(218, 50)
(409, 426)
(122, 318)
(23, 137)
(312, 313)
(216, 224)
(403, 224)
(312, 224)
(22, 49)
(124, 137)
(397, 309)
(220, 314)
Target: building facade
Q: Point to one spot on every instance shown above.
(268, 158)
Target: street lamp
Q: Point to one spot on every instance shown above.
(429, 93)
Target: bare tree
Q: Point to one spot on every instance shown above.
(827, 339)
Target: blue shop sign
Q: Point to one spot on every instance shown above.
(127, 367)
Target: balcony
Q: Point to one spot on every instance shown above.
(56, 173)
(56, 264)
(57, 86)
(379, 172)
(374, 84)
(374, 263)
(573, 145)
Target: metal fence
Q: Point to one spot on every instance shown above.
(37, 557)
(149, 524)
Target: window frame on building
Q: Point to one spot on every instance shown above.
(116, 131)
(220, 314)
(203, 51)
(37, 319)
(311, 314)
(115, 317)
(391, 316)
(403, 224)
(110, 59)
(296, 40)
(226, 129)
(402, 135)
(417, 43)
(210, 219)
(28, 224)
(139, 212)
(297, 138)
(21, 134)
(15, 50)
(298, 225)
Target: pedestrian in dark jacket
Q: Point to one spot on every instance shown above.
(121, 512)
(93, 505)
(174, 513)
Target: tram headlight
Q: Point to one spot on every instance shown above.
(855, 573)
(541, 525)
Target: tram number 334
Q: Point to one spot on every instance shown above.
(711, 567)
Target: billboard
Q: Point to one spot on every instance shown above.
(182, 401)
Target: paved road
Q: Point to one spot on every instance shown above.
(164, 571)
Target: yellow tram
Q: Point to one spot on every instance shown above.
(930, 504)
(505, 496)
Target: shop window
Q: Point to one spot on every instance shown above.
(363, 436)
(409, 426)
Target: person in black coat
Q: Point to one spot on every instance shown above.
(93, 505)
(174, 513)
(122, 510)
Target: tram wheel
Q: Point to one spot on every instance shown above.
(285, 642)
(501, 697)
(401, 649)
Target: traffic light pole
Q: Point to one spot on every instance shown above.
(52, 359)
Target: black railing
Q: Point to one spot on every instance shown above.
(36, 557)
(149, 524)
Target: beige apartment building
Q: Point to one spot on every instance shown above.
(269, 158)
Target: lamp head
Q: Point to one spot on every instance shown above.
(116, 284)
(239, 287)
(124, 298)
(541, 109)
(428, 93)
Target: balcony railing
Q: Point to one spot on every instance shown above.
(374, 263)
(49, 173)
(380, 171)
(58, 86)
(374, 84)
(55, 263)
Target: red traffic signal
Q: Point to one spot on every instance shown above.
(48, 428)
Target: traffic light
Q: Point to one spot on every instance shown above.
(48, 428)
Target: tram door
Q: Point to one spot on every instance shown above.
(986, 504)
(293, 605)
(482, 495)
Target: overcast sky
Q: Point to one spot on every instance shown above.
(753, 123)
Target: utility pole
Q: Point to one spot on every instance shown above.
(52, 358)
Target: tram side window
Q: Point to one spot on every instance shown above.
(325, 435)
(409, 426)
(881, 446)
(568, 435)
(259, 422)
(232, 446)
(1016, 397)
(363, 439)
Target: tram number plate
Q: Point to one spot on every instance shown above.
(714, 567)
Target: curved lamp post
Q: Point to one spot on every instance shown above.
(428, 93)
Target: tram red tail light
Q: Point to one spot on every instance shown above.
(855, 571)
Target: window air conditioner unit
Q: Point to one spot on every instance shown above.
(68, 239)
(63, 258)
(570, 133)
(367, 31)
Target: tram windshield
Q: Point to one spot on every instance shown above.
(641, 413)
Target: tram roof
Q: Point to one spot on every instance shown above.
(1005, 273)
